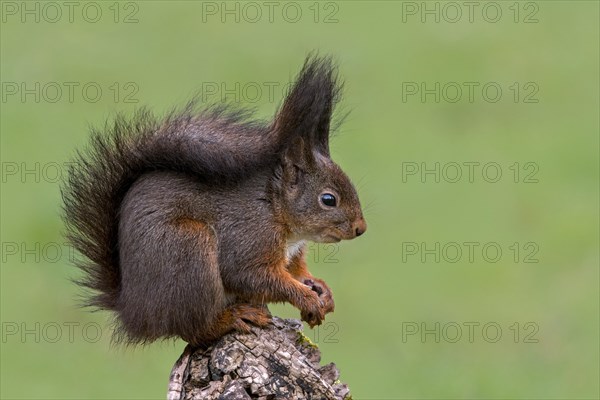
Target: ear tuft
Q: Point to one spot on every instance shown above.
(307, 109)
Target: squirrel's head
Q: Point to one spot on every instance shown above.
(317, 198)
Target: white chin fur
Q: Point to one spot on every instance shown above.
(294, 248)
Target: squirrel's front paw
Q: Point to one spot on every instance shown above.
(323, 291)
(312, 309)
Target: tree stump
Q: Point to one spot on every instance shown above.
(277, 362)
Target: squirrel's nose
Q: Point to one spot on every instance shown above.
(360, 226)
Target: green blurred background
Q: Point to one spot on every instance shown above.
(389, 287)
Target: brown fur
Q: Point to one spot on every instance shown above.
(185, 222)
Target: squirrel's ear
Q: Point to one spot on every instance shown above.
(295, 160)
(307, 109)
(297, 153)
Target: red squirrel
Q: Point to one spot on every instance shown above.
(192, 223)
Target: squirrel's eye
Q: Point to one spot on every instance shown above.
(328, 199)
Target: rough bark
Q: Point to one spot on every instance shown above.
(277, 362)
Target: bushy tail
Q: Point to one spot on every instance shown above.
(215, 144)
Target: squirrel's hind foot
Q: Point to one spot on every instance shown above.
(239, 315)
